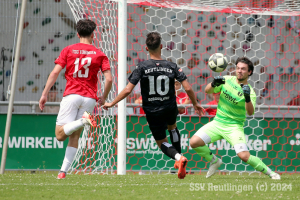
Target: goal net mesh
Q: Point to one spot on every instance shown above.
(96, 147)
(266, 31)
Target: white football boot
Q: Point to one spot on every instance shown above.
(275, 176)
(213, 167)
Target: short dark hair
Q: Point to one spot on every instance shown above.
(247, 61)
(153, 40)
(85, 27)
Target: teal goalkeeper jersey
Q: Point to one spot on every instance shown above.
(231, 106)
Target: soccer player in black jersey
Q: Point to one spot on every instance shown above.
(157, 78)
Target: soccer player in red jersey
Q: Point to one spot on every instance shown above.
(82, 62)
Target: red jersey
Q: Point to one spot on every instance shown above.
(82, 62)
(180, 99)
(142, 112)
(212, 111)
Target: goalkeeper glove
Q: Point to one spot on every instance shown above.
(218, 80)
(246, 91)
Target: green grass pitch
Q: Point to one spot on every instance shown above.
(16, 185)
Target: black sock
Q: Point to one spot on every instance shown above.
(175, 139)
(168, 149)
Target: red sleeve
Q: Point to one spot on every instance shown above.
(62, 59)
(105, 64)
(186, 96)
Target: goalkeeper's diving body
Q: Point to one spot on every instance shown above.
(237, 98)
(157, 77)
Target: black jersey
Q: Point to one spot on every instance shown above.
(157, 84)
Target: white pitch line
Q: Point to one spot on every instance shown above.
(102, 184)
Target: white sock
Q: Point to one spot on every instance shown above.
(269, 171)
(69, 156)
(214, 159)
(177, 156)
(69, 128)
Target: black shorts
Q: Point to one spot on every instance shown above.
(158, 122)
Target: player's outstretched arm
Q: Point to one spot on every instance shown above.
(124, 93)
(248, 105)
(50, 82)
(218, 80)
(107, 86)
(190, 92)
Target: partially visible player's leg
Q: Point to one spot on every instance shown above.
(74, 118)
(158, 127)
(167, 148)
(68, 120)
(238, 141)
(175, 140)
(205, 135)
(257, 164)
(170, 151)
(173, 130)
(175, 137)
(70, 153)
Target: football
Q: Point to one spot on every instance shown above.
(217, 62)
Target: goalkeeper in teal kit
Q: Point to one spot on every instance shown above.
(236, 99)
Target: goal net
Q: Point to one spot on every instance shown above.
(96, 149)
(266, 31)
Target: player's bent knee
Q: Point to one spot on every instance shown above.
(172, 127)
(244, 156)
(59, 133)
(159, 142)
(60, 138)
(196, 142)
(242, 151)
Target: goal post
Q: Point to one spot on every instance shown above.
(265, 31)
(122, 52)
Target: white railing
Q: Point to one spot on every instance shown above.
(260, 111)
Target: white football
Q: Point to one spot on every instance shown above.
(217, 62)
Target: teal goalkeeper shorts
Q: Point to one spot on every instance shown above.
(213, 131)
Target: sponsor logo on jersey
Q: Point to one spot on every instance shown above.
(157, 69)
(157, 64)
(158, 98)
(87, 52)
(240, 94)
(75, 51)
(230, 98)
(180, 70)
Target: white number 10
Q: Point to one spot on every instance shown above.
(158, 85)
(86, 74)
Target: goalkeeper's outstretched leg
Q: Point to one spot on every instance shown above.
(257, 164)
(214, 131)
(202, 150)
